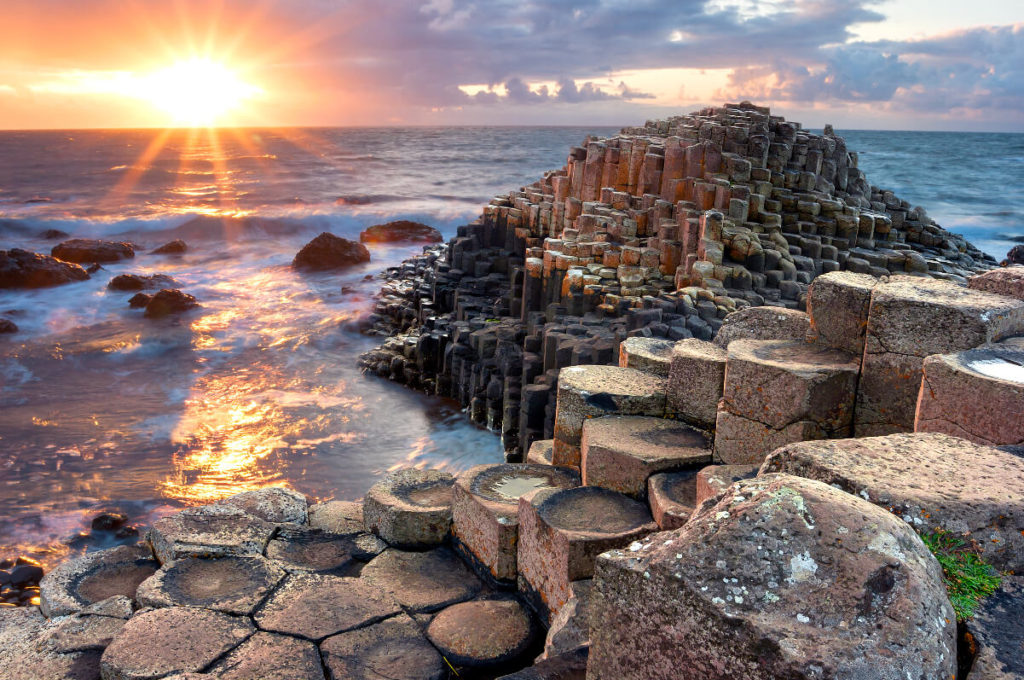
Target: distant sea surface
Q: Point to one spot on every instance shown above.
(102, 409)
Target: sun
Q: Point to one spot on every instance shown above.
(196, 92)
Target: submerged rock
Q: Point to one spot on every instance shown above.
(169, 301)
(139, 300)
(140, 282)
(24, 269)
(328, 251)
(175, 247)
(400, 230)
(53, 234)
(84, 250)
(8, 326)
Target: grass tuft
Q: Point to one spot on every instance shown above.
(967, 577)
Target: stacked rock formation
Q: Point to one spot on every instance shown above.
(660, 231)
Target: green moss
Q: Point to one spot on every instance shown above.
(967, 577)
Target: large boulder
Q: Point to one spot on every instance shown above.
(86, 250)
(328, 251)
(23, 269)
(783, 578)
(399, 231)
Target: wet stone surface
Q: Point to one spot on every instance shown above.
(209, 531)
(94, 577)
(235, 585)
(423, 581)
(394, 648)
(482, 632)
(299, 550)
(267, 656)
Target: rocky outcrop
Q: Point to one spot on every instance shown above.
(8, 326)
(84, 251)
(400, 231)
(23, 269)
(137, 282)
(168, 301)
(176, 247)
(328, 251)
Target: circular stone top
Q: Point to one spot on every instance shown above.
(506, 482)
(482, 632)
(593, 510)
(421, 489)
(109, 580)
(789, 354)
(596, 379)
(678, 487)
(428, 494)
(1000, 364)
(646, 437)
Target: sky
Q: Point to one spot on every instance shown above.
(858, 64)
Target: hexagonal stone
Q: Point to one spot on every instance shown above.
(838, 304)
(77, 633)
(423, 581)
(977, 395)
(117, 606)
(24, 656)
(650, 355)
(763, 323)
(696, 378)
(268, 656)
(94, 577)
(594, 391)
(235, 585)
(562, 531)
(540, 452)
(911, 318)
(160, 642)
(209, 531)
(930, 480)
(273, 504)
(410, 508)
(337, 517)
(319, 551)
(394, 648)
(621, 452)
(714, 479)
(672, 497)
(485, 510)
(482, 633)
(314, 606)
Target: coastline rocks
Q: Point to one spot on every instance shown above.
(268, 656)
(763, 323)
(139, 300)
(423, 581)
(672, 497)
(24, 269)
(1014, 257)
(53, 234)
(696, 379)
(93, 578)
(209, 531)
(8, 326)
(136, 282)
(233, 585)
(1007, 281)
(394, 648)
(482, 633)
(328, 251)
(176, 247)
(785, 578)
(319, 551)
(997, 633)
(838, 304)
(410, 508)
(25, 656)
(337, 517)
(168, 301)
(400, 231)
(274, 504)
(85, 251)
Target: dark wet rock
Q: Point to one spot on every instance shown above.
(53, 234)
(1015, 256)
(313, 550)
(26, 574)
(997, 633)
(423, 581)
(337, 517)
(410, 508)
(568, 666)
(273, 504)
(328, 251)
(108, 521)
(8, 326)
(267, 656)
(81, 633)
(394, 648)
(209, 531)
(175, 247)
(139, 300)
(93, 578)
(169, 301)
(482, 633)
(93, 268)
(23, 269)
(315, 606)
(234, 585)
(160, 642)
(130, 282)
(400, 231)
(83, 251)
(784, 577)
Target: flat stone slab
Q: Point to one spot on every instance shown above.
(561, 533)
(650, 355)
(209, 531)
(838, 304)
(486, 505)
(79, 633)
(315, 606)
(715, 479)
(540, 452)
(160, 642)
(268, 656)
(482, 633)
(273, 504)
(977, 395)
(234, 585)
(94, 577)
(394, 648)
(786, 578)
(594, 391)
(410, 508)
(672, 497)
(696, 379)
(25, 656)
(742, 441)
(997, 631)
(763, 323)
(621, 452)
(423, 581)
(319, 551)
(337, 517)
(1007, 281)
(930, 480)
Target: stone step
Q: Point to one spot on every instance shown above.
(838, 304)
(977, 394)
(78, 583)
(930, 480)
(695, 382)
(621, 452)
(672, 497)
(485, 511)
(540, 452)
(777, 392)
(410, 508)
(594, 391)
(650, 355)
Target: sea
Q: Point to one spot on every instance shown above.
(102, 409)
